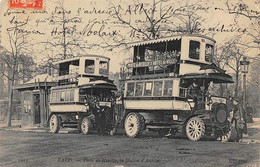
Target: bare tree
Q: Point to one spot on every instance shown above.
(157, 18)
(242, 9)
(65, 37)
(234, 64)
(15, 65)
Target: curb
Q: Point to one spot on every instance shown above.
(39, 130)
(248, 141)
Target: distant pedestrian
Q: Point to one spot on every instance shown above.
(249, 113)
(236, 118)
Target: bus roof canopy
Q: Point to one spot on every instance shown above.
(166, 39)
(215, 77)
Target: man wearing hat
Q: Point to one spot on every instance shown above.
(194, 93)
(99, 119)
(236, 118)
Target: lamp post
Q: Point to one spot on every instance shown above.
(244, 65)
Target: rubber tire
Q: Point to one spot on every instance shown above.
(163, 132)
(85, 125)
(54, 123)
(199, 127)
(134, 125)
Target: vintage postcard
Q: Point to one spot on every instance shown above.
(129, 83)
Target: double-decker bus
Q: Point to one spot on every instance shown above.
(82, 83)
(159, 92)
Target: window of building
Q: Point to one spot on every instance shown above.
(209, 51)
(90, 66)
(27, 103)
(168, 88)
(130, 89)
(148, 88)
(103, 68)
(194, 51)
(158, 88)
(139, 89)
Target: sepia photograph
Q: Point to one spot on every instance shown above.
(138, 83)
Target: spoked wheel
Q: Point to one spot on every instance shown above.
(134, 123)
(195, 129)
(164, 132)
(55, 123)
(85, 125)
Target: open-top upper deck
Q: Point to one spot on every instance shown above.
(171, 56)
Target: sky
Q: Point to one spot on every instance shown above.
(91, 19)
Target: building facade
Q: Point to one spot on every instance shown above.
(35, 100)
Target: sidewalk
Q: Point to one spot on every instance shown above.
(16, 126)
(253, 130)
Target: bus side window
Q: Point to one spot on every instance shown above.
(209, 51)
(67, 95)
(139, 89)
(62, 96)
(194, 50)
(53, 97)
(148, 88)
(168, 88)
(183, 92)
(58, 96)
(90, 66)
(157, 88)
(130, 89)
(71, 95)
(103, 68)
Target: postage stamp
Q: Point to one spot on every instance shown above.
(31, 4)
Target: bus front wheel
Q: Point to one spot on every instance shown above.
(134, 125)
(195, 129)
(55, 123)
(85, 125)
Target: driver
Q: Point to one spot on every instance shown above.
(193, 92)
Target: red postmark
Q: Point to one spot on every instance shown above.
(32, 4)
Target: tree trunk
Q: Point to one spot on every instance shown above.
(236, 84)
(10, 104)
(10, 94)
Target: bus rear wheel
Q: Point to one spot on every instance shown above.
(134, 123)
(195, 129)
(85, 125)
(55, 123)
